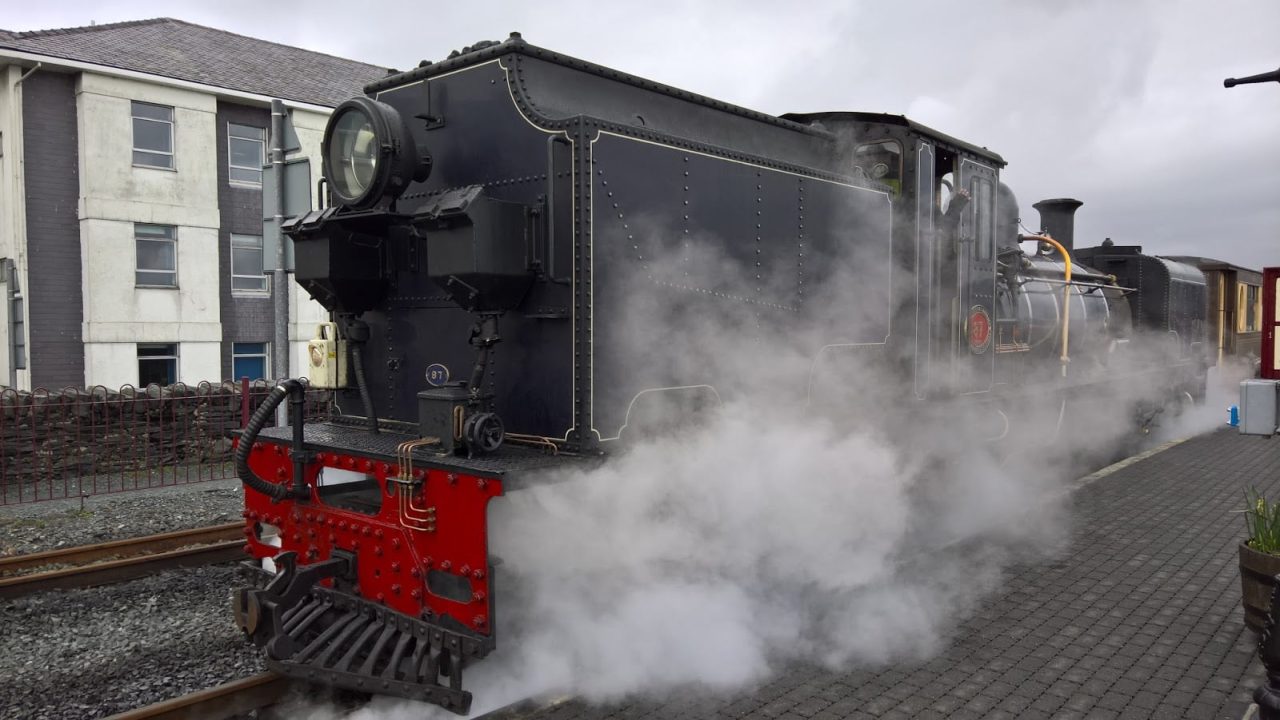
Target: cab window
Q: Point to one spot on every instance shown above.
(882, 162)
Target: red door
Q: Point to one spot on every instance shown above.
(1271, 323)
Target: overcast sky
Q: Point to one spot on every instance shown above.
(1117, 103)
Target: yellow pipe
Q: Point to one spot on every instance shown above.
(1066, 292)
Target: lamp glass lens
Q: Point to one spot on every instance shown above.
(353, 154)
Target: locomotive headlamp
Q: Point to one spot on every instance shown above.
(369, 153)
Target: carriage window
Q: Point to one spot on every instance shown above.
(1249, 312)
(882, 162)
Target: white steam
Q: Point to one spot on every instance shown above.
(716, 558)
(776, 530)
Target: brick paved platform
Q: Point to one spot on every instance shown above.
(1140, 618)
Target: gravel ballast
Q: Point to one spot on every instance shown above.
(95, 652)
(50, 525)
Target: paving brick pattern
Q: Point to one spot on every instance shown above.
(1140, 618)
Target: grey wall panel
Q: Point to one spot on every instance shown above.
(52, 185)
(244, 319)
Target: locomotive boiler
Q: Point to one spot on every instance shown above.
(524, 255)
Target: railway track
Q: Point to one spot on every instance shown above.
(119, 560)
(224, 701)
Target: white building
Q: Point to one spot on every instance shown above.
(130, 200)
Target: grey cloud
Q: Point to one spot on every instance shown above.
(1118, 104)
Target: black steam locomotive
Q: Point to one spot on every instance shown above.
(531, 260)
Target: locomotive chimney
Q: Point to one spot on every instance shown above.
(1058, 218)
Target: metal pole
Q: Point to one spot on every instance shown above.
(279, 278)
(17, 324)
(1261, 77)
(17, 346)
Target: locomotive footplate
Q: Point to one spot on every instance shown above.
(515, 465)
(320, 634)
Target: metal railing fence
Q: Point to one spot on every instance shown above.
(77, 442)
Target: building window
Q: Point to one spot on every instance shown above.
(245, 147)
(157, 248)
(249, 360)
(246, 266)
(157, 364)
(152, 135)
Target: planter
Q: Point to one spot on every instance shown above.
(1257, 581)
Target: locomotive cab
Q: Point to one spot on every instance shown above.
(945, 190)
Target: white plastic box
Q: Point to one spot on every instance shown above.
(1258, 406)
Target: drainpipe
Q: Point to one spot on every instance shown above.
(17, 347)
(9, 295)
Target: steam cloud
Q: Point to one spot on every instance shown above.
(773, 532)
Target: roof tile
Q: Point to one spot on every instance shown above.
(185, 51)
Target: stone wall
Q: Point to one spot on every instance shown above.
(77, 433)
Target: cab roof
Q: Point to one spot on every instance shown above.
(901, 121)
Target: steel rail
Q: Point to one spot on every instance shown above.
(216, 703)
(128, 547)
(202, 546)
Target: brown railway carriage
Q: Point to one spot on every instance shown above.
(1234, 316)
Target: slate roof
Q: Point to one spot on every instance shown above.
(185, 51)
